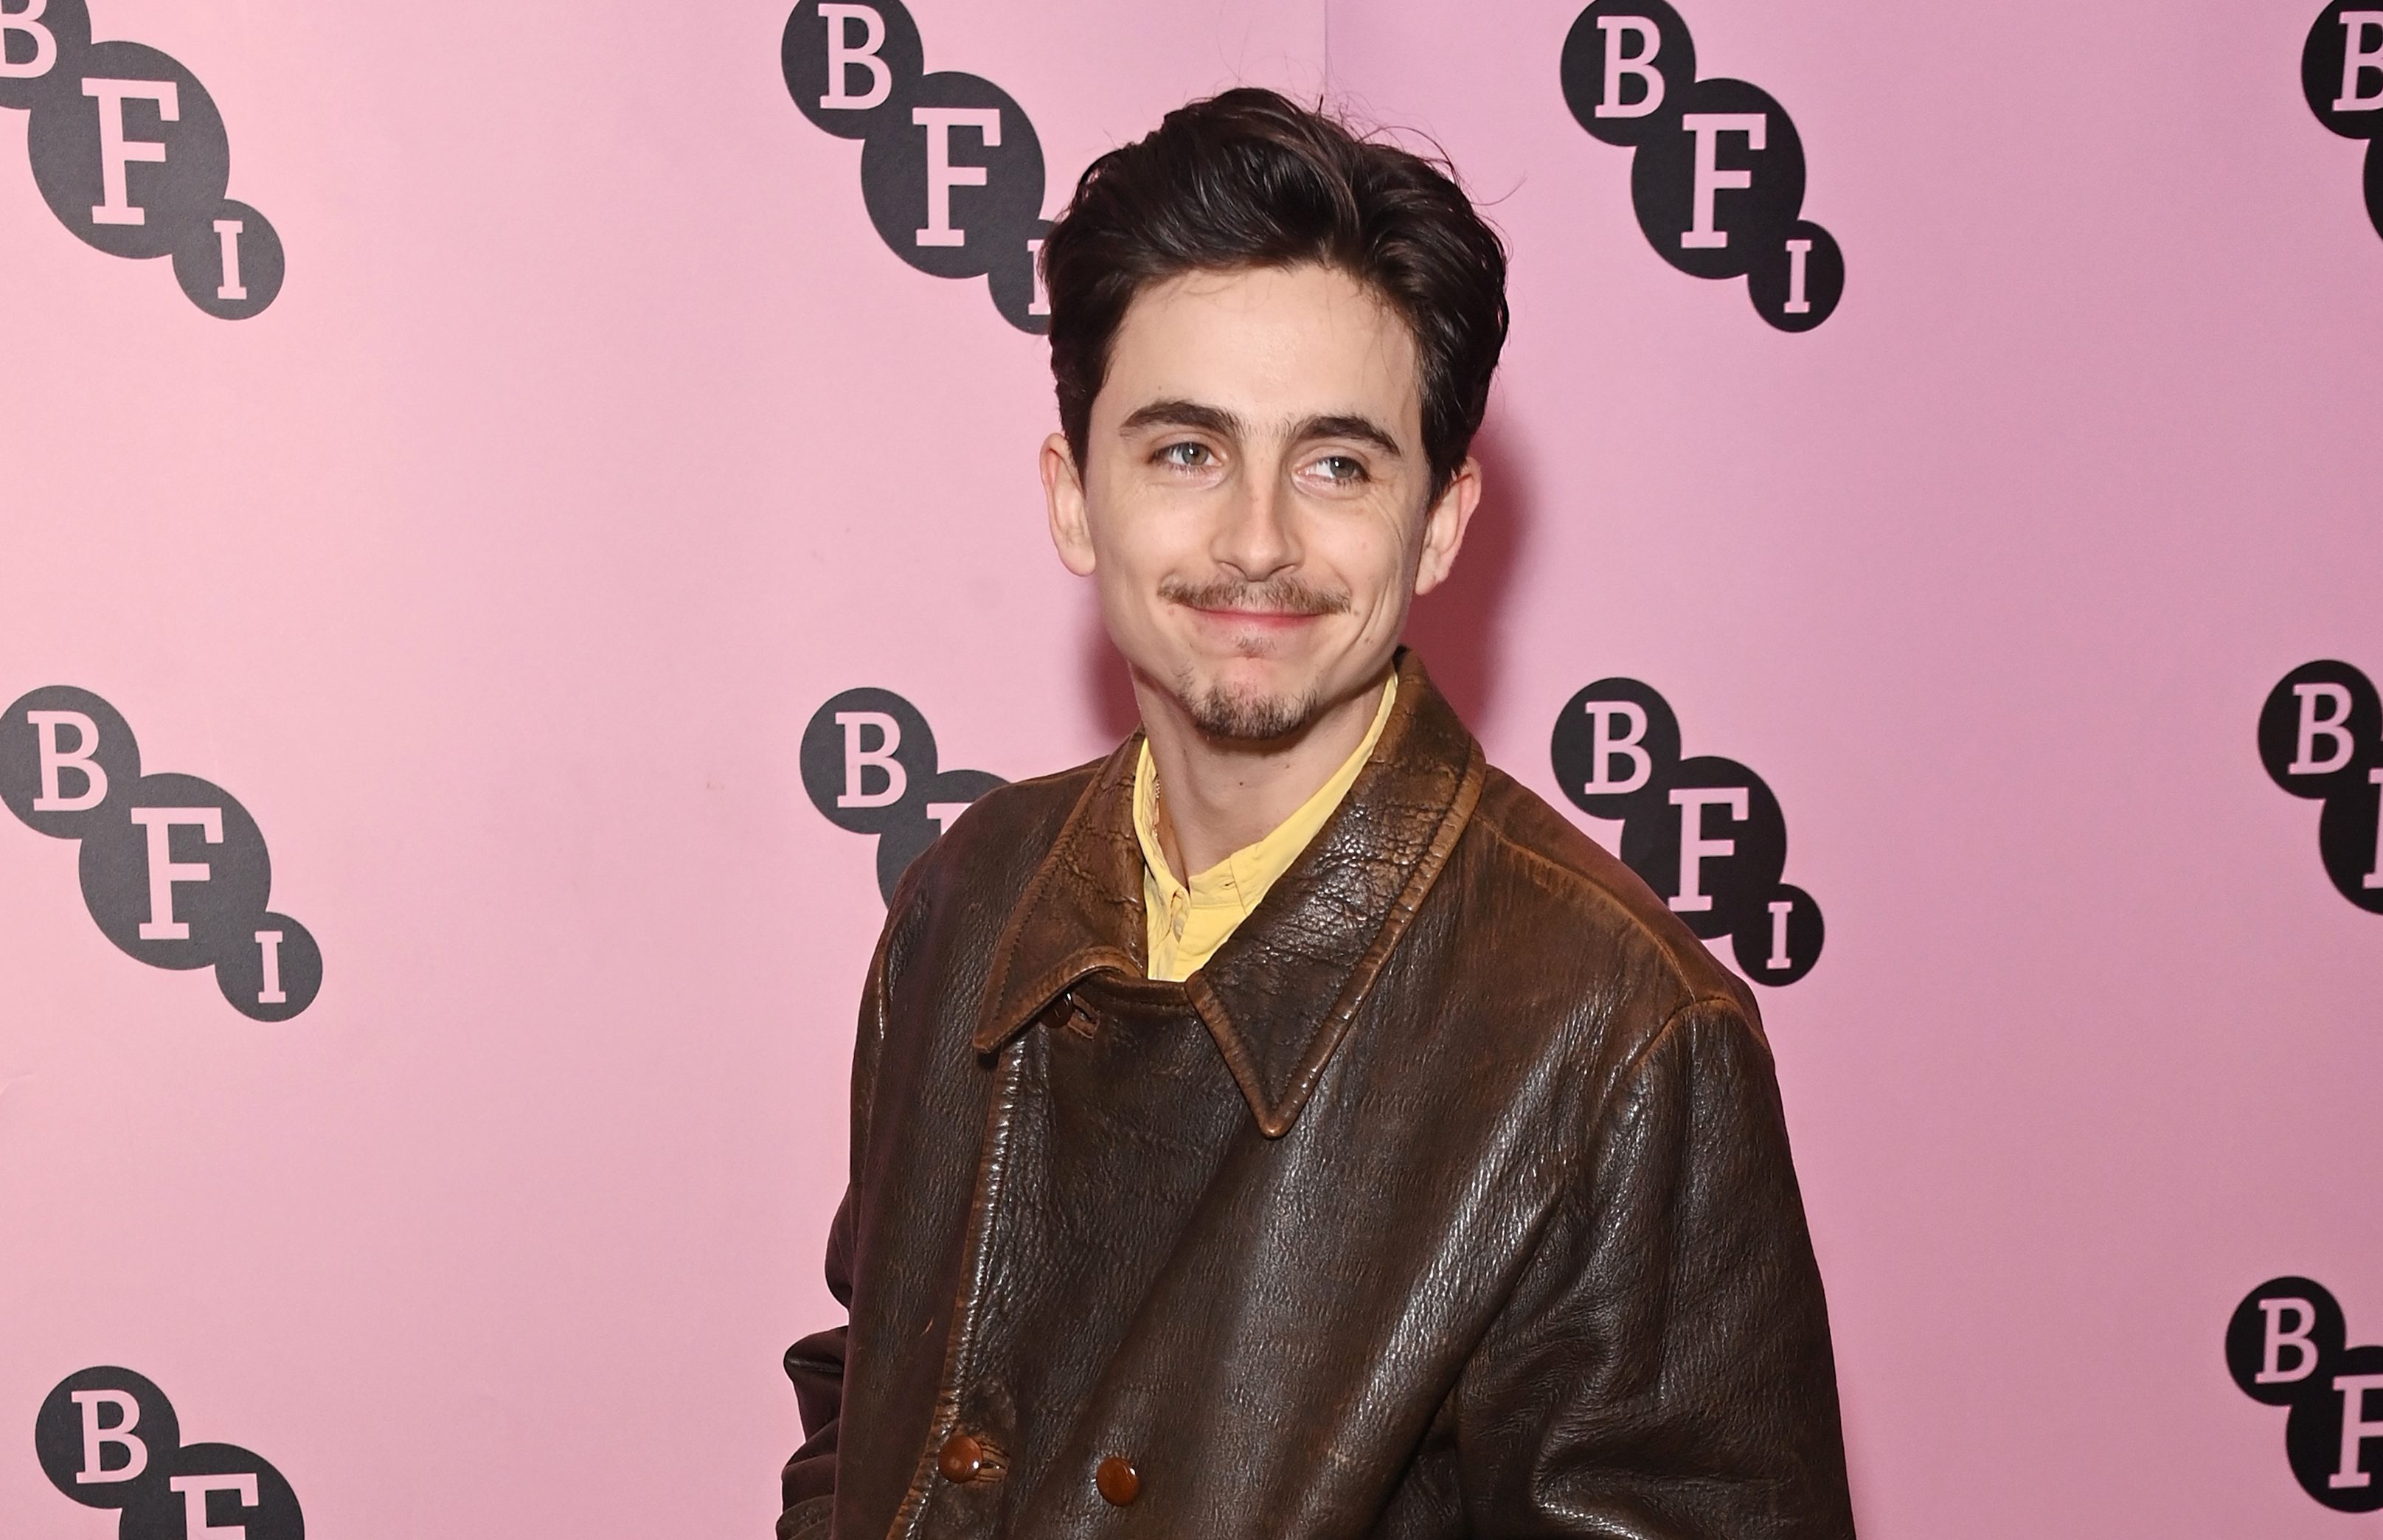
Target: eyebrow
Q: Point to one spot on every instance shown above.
(1365, 430)
(1174, 412)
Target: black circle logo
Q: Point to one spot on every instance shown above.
(2321, 736)
(1626, 65)
(1717, 175)
(229, 263)
(951, 169)
(104, 1434)
(218, 1489)
(869, 765)
(173, 868)
(2286, 1346)
(1717, 859)
(2342, 68)
(42, 45)
(1705, 833)
(952, 188)
(134, 157)
(851, 67)
(1726, 186)
(64, 754)
(1796, 279)
(1615, 749)
(107, 1437)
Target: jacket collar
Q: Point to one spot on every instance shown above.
(1280, 995)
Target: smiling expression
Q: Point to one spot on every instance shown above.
(1255, 505)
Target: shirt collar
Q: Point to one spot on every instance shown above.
(1215, 902)
(1279, 1000)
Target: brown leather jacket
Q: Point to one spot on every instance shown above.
(1452, 1197)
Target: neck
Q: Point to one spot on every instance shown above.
(1218, 795)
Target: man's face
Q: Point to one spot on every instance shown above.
(1252, 501)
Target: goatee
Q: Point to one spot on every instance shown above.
(1242, 716)
(1245, 717)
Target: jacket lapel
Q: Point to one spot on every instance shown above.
(1280, 995)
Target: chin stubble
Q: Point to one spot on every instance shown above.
(1221, 713)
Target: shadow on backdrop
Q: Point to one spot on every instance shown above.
(1456, 628)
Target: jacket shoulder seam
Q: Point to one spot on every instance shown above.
(1582, 881)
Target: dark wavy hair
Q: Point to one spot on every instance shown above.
(1249, 178)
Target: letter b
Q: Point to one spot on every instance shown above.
(1605, 747)
(25, 21)
(41, 49)
(2323, 708)
(1638, 64)
(860, 759)
(844, 55)
(55, 760)
(2361, 60)
(2280, 1337)
(850, 63)
(99, 1435)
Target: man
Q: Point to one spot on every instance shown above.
(1288, 1127)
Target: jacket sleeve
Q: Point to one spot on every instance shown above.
(816, 1366)
(1662, 1371)
(816, 1363)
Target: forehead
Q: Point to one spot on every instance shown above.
(1267, 343)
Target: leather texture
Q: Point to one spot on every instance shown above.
(1452, 1197)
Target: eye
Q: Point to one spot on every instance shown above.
(1341, 470)
(1186, 454)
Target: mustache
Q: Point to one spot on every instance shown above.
(1280, 596)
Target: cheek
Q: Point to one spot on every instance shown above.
(1133, 560)
(1373, 559)
(1144, 538)
(1131, 555)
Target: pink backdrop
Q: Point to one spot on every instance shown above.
(597, 439)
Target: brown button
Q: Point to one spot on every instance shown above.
(960, 1458)
(1117, 1481)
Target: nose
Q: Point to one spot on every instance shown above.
(1255, 540)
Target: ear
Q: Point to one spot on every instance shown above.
(1063, 491)
(1444, 524)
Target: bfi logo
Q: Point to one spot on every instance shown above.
(1705, 833)
(950, 168)
(2285, 1347)
(107, 1437)
(173, 868)
(1718, 176)
(2342, 75)
(869, 766)
(130, 154)
(2321, 737)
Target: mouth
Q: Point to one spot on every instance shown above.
(1244, 610)
(1268, 621)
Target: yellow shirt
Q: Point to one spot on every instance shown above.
(1187, 923)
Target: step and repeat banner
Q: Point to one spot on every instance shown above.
(520, 521)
